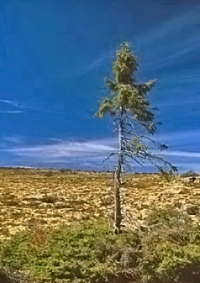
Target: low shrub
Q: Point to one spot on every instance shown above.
(172, 245)
(169, 251)
(49, 199)
(81, 253)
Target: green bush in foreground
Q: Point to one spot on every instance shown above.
(90, 253)
(82, 253)
(170, 248)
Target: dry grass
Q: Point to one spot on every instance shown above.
(30, 198)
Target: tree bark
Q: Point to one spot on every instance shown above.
(117, 178)
(117, 216)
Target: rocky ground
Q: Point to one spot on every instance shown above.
(30, 197)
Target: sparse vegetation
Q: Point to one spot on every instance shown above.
(67, 238)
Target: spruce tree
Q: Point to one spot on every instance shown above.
(134, 120)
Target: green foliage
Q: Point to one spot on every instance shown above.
(163, 216)
(134, 119)
(14, 253)
(126, 95)
(133, 116)
(84, 253)
(89, 253)
(170, 247)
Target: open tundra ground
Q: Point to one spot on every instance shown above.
(31, 197)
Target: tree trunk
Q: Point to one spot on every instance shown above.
(117, 215)
(117, 178)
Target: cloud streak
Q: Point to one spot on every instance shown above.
(10, 102)
(170, 41)
(64, 149)
(11, 112)
(100, 61)
(13, 104)
(92, 153)
(25, 108)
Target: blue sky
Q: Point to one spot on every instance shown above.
(54, 55)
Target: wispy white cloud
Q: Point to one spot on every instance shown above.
(181, 154)
(171, 25)
(13, 104)
(13, 139)
(11, 112)
(159, 46)
(25, 106)
(90, 153)
(10, 102)
(64, 149)
(103, 59)
(170, 40)
(73, 154)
